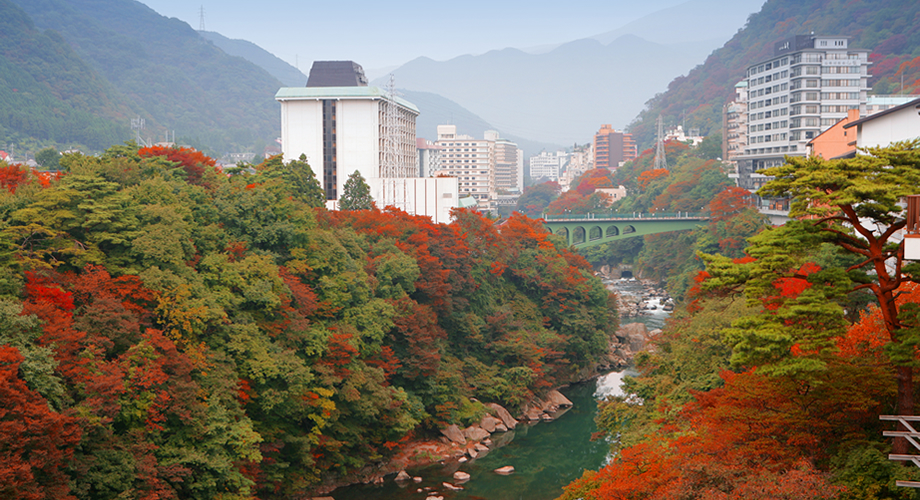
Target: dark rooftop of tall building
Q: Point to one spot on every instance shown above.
(336, 74)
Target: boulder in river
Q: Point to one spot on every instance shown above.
(508, 469)
(461, 476)
(403, 476)
(453, 433)
(634, 335)
(555, 398)
(475, 433)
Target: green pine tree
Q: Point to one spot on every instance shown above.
(356, 195)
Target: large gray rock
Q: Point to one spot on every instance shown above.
(461, 476)
(634, 335)
(453, 433)
(555, 398)
(503, 414)
(403, 476)
(508, 469)
(475, 433)
(533, 413)
(489, 423)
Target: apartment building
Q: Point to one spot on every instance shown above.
(429, 157)
(341, 125)
(547, 165)
(734, 124)
(471, 161)
(612, 148)
(509, 164)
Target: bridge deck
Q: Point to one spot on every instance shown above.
(587, 230)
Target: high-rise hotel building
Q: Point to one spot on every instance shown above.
(809, 84)
(342, 126)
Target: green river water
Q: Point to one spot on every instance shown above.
(546, 456)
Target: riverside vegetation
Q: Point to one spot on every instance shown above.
(171, 331)
(769, 384)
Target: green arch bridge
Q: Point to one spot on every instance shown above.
(582, 231)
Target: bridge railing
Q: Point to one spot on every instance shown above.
(628, 215)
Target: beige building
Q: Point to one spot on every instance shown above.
(509, 164)
(734, 124)
(580, 161)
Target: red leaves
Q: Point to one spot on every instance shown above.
(729, 202)
(339, 353)
(649, 176)
(192, 161)
(420, 335)
(755, 438)
(36, 442)
(13, 176)
(792, 286)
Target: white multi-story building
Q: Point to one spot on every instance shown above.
(471, 161)
(547, 165)
(806, 87)
(429, 157)
(344, 126)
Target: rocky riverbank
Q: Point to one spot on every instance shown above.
(456, 446)
(637, 302)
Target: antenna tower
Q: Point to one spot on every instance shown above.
(661, 161)
(201, 19)
(138, 124)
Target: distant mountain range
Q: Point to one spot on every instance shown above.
(278, 68)
(564, 93)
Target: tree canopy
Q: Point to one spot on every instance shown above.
(172, 331)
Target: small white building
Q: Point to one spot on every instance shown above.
(547, 165)
(900, 123)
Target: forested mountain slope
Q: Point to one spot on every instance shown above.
(177, 80)
(48, 93)
(284, 72)
(886, 27)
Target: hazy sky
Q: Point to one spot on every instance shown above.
(381, 34)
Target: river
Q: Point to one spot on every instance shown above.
(546, 456)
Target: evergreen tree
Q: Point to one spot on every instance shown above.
(357, 194)
(301, 175)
